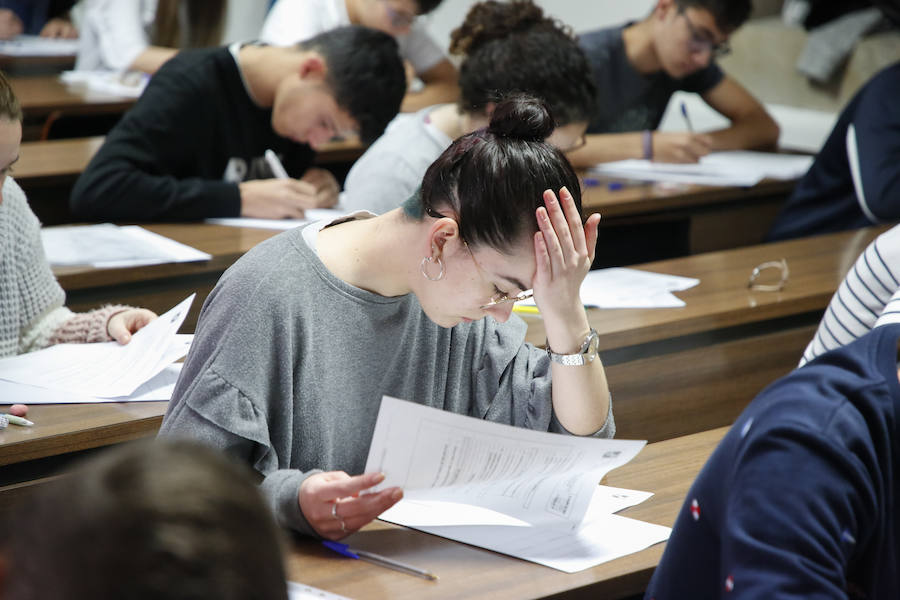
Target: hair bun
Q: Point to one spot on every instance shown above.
(522, 117)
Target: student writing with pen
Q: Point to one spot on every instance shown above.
(302, 337)
(640, 65)
(193, 146)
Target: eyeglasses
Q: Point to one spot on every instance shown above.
(754, 282)
(700, 42)
(399, 18)
(498, 298)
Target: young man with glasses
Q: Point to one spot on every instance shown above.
(292, 21)
(640, 65)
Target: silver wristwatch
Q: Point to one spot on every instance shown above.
(587, 353)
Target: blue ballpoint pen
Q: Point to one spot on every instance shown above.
(377, 559)
(687, 119)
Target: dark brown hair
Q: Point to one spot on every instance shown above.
(511, 47)
(493, 179)
(200, 27)
(9, 104)
(160, 520)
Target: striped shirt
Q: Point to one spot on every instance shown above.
(868, 297)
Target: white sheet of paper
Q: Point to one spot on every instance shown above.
(158, 387)
(107, 246)
(619, 287)
(301, 591)
(735, 168)
(35, 45)
(129, 84)
(602, 536)
(107, 369)
(533, 476)
(312, 215)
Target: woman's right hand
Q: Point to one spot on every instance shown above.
(333, 506)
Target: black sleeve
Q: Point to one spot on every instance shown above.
(155, 164)
(59, 8)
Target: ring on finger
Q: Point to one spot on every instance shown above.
(334, 514)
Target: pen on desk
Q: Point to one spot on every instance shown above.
(687, 118)
(377, 559)
(276, 166)
(20, 421)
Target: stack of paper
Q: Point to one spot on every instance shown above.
(35, 45)
(631, 288)
(104, 372)
(107, 245)
(738, 168)
(130, 84)
(312, 215)
(528, 494)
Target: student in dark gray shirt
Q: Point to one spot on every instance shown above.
(639, 66)
(302, 337)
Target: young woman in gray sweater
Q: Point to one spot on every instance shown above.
(302, 337)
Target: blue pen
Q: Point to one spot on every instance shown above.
(687, 119)
(377, 559)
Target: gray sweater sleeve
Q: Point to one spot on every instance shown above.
(215, 413)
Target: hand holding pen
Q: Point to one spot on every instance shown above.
(681, 146)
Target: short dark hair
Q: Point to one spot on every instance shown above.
(426, 6)
(493, 179)
(161, 519)
(366, 74)
(513, 47)
(729, 14)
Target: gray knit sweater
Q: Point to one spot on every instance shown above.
(289, 364)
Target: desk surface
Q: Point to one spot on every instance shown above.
(667, 468)
(648, 198)
(722, 299)
(41, 95)
(69, 428)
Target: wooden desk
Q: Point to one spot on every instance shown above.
(48, 169)
(678, 371)
(42, 95)
(696, 218)
(666, 468)
(16, 66)
(160, 287)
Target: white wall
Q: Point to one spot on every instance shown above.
(581, 15)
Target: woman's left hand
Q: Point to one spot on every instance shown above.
(121, 325)
(564, 250)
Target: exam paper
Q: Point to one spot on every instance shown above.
(158, 387)
(300, 591)
(107, 369)
(108, 246)
(533, 476)
(734, 168)
(312, 215)
(619, 287)
(35, 45)
(129, 84)
(529, 494)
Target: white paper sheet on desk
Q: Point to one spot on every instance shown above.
(111, 246)
(159, 387)
(312, 215)
(106, 369)
(736, 168)
(619, 287)
(300, 591)
(35, 45)
(602, 536)
(129, 84)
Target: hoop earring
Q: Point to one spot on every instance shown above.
(431, 259)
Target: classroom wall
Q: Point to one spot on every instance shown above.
(582, 15)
